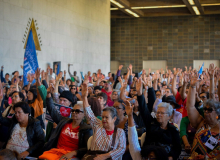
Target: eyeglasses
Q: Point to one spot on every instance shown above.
(203, 97)
(162, 113)
(15, 96)
(157, 95)
(73, 88)
(209, 110)
(77, 111)
(116, 107)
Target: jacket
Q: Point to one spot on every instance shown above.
(35, 134)
(85, 131)
(169, 139)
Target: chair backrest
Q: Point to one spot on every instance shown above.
(89, 142)
(143, 138)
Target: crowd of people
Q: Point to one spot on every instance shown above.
(148, 115)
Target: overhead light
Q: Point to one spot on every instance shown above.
(214, 4)
(117, 4)
(191, 2)
(112, 9)
(196, 10)
(149, 7)
(132, 13)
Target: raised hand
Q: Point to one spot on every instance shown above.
(128, 108)
(64, 72)
(37, 73)
(211, 70)
(84, 90)
(130, 66)
(194, 81)
(22, 67)
(186, 78)
(120, 67)
(139, 86)
(42, 75)
(86, 79)
(30, 78)
(59, 76)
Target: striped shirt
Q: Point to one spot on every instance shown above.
(101, 141)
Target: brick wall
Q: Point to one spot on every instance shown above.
(179, 40)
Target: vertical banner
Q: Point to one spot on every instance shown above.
(30, 58)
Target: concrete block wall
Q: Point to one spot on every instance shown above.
(72, 31)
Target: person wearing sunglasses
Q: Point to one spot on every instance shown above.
(69, 140)
(207, 126)
(73, 90)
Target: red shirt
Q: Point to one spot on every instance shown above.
(68, 138)
(183, 105)
(108, 94)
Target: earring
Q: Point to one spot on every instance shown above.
(216, 117)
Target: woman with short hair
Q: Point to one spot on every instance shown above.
(104, 132)
(25, 133)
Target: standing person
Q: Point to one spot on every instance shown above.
(109, 141)
(76, 78)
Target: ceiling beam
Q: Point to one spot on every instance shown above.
(198, 5)
(186, 2)
(138, 3)
(126, 5)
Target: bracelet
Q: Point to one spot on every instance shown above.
(192, 86)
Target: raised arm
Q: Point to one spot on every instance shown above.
(194, 116)
(94, 122)
(134, 146)
(145, 114)
(69, 71)
(118, 75)
(55, 115)
(183, 89)
(122, 93)
(212, 84)
(174, 90)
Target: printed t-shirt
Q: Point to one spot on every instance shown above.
(18, 141)
(182, 104)
(108, 94)
(69, 138)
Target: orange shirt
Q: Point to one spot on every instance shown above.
(37, 105)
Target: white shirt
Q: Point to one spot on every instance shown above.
(18, 141)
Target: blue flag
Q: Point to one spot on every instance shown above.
(30, 58)
(201, 69)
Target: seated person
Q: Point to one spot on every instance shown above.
(107, 139)
(187, 133)
(207, 126)
(7, 154)
(159, 132)
(25, 133)
(97, 90)
(102, 97)
(95, 106)
(146, 152)
(69, 140)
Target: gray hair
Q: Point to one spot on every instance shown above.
(79, 104)
(213, 104)
(113, 113)
(168, 107)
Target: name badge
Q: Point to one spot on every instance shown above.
(211, 143)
